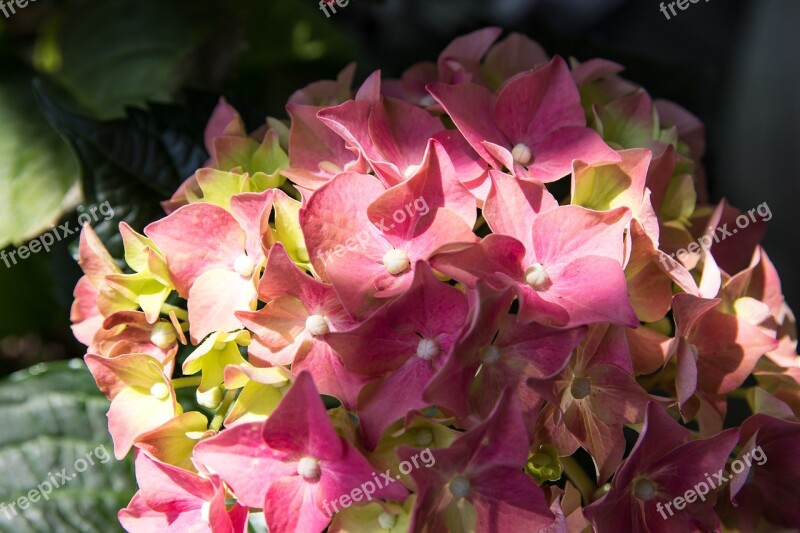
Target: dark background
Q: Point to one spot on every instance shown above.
(732, 63)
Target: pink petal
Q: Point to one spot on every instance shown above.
(514, 54)
(252, 211)
(197, 226)
(512, 206)
(133, 413)
(293, 505)
(350, 121)
(224, 120)
(506, 499)
(94, 259)
(591, 289)
(338, 212)
(311, 142)
(434, 185)
(330, 374)
(439, 229)
(391, 398)
(571, 232)
(533, 104)
(169, 488)
(214, 299)
(300, 424)
(400, 132)
(244, 461)
(137, 516)
(483, 261)
(554, 154)
(471, 108)
(349, 471)
(468, 165)
(462, 56)
(729, 349)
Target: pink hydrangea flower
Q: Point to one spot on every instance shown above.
(292, 464)
(492, 262)
(174, 500)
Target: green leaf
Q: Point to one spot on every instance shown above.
(134, 163)
(292, 37)
(139, 50)
(57, 422)
(36, 166)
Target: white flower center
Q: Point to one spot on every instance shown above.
(427, 349)
(459, 487)
(308, 468)
(159, 390)
(396, 261)
(317, 325)
(163, 335)
(644, 489)
(522, 154)
(244, 266)
(490, 354)
(536, 276)
(411, 170)
(423, 437)
(427, 100)
(205, 512)
(387, 521)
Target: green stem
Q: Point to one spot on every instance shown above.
(222, 410)
(180, 383)
(579, 478)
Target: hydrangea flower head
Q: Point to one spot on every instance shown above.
(449, 302)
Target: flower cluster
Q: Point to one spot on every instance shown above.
(474, 259)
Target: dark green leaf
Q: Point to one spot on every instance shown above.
(54, 423)
(111, 54)
(133, 163)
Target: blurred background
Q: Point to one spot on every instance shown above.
(106, 100)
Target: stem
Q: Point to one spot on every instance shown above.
(222, 410)
(180, 383)
(579, 478)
